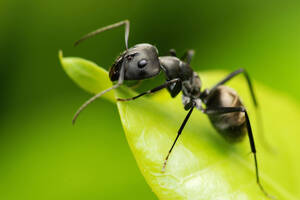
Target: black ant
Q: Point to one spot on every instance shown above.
(223, 105)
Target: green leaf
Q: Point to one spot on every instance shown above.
(203, 165)
(87, 75)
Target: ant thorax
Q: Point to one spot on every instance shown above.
(190, 83)
(191, 87)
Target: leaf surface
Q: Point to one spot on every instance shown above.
(203, 165)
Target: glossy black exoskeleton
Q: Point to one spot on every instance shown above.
(223, 105)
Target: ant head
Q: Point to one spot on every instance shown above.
(140, 62)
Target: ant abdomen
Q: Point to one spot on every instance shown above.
(232, 126)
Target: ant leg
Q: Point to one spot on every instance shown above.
(172, 52)
(187, 56)
(254, 100)
(100, 30)
(152, 90)
(232, 75)
(178, 134)
(223, 110)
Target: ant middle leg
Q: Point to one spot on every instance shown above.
(178, 134)
(224, 110)
(188, 55)
(152, 90)
(172, 52)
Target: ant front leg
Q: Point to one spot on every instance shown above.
(224, 110)
(152, 90)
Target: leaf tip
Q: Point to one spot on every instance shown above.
(62, 60)
(60, 54)
(60, 57)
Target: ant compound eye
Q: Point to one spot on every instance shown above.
(142, 63)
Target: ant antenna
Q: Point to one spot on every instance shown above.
(122, 72)
(100, 30)
(120, 82)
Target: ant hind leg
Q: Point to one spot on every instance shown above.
(266, 145)
(223, 110)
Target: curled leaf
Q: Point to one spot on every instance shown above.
(87, 75)
(203, 165)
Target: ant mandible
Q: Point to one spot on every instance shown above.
(223, 105)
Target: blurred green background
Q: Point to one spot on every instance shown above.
(42, 156)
